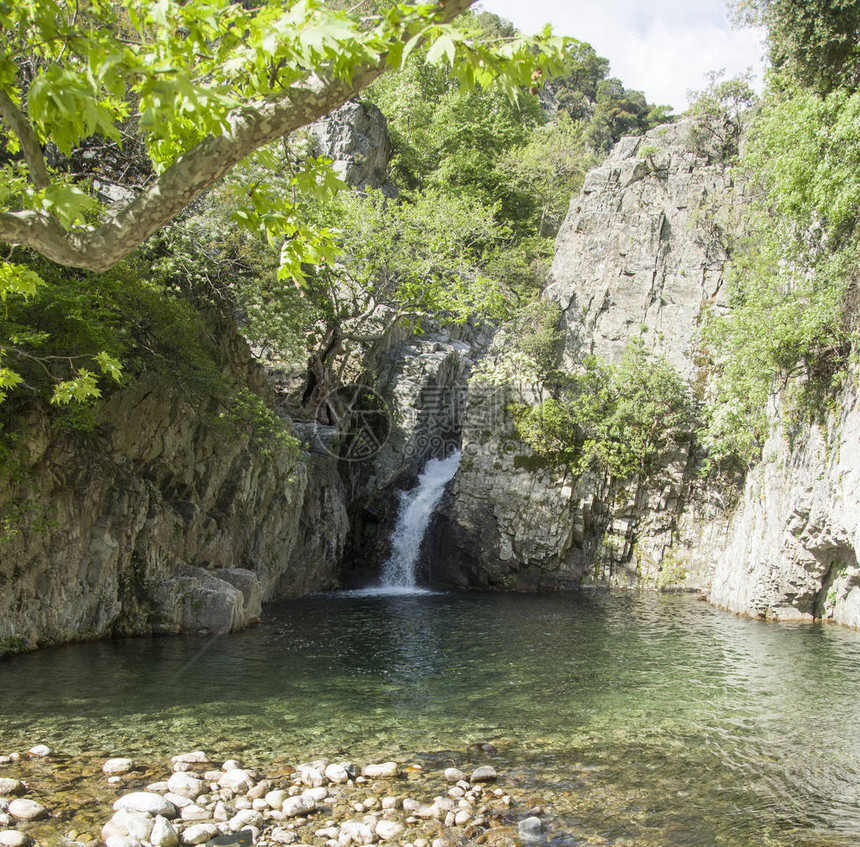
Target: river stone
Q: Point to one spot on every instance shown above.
(121, 841)
(195, 757)
(247, 817)
(186, 785)
(231, 765)
(199, 832)
(195, 813)
(276, 798)
(297, 806)
(355, 832)
(455, 775)
(383, 770)
(237, 780)
(484, 774)
(40, 751)
(530, 827)
(260, 789)
(128, 824)
(14, 838)
(178, 800)
(158, 787)
(283, 836)
(114, 767)
(145, 801)
(315, 795)
(389, 830)
(163, 834)
(27, 810)
(462, 817)
(337, 774)
(311, 777)
(10, 786)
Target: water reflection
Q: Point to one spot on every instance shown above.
(653, 719)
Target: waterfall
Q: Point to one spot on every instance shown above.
(413, 518)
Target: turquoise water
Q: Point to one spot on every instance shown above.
(635, 719)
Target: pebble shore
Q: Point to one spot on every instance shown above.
(318, 803)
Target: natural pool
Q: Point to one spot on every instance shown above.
(636, 719)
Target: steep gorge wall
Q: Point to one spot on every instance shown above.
(638, 257)
(160, 521)
(795, 534)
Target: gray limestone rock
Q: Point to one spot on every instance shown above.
(638, 257)
(145, 801)
(355, 137)
(795, 535)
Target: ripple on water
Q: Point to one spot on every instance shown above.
(637, 719)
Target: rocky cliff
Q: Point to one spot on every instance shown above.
(795, 535)
(162, 519)
(638, 256)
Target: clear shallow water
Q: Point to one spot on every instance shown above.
(636, 719)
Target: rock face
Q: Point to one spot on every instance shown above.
(355, 137)
(638, 257)
(640, 251)
(158, 522)
(795, 534)
(422, 380)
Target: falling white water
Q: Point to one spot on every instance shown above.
(413, 518)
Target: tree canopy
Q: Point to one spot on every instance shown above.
(201, 85)
(114, 117)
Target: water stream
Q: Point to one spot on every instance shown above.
(414, 515)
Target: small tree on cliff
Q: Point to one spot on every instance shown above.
(197, 87)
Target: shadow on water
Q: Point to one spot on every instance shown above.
(649, 718)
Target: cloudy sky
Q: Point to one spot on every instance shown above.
(661, 47)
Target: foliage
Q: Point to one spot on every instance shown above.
(605, 108)
(548, 170)
(406, 262)
(618, 419)
(247, 412)
(197, 86)
(526, 348)
(180, 74)
(717, 113)
(103, 319)
(795, 278)
(814, 42)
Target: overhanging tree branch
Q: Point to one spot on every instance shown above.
(250, 127)
(19, 124)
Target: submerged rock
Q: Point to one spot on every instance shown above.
(381, 771)
(485, 773)
(27, 810)
(10, 786)
(40, 751)
(115, 767)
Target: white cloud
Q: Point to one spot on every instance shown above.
(663, 47)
